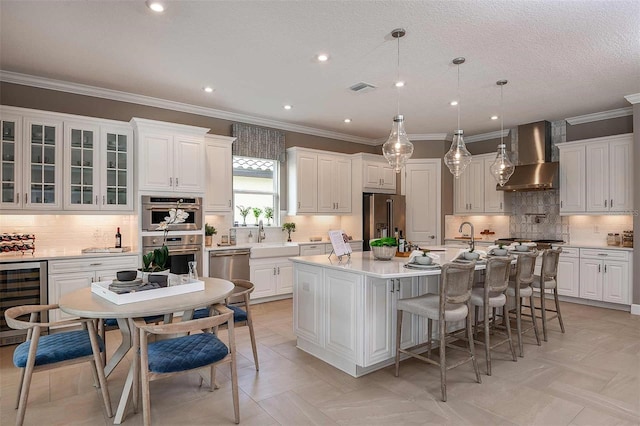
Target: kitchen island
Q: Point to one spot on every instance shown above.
(344, 313)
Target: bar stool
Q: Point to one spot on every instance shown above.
(491, 296)
(520, 288)
(548, 280)
(451, 304)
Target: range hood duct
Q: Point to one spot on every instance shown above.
(536, 171)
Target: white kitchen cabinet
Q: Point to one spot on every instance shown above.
(495, 201)
(569, 272)
(343, 302)
(572, 180)
(66, 276)
(308, 304)
(170, 156)
(98, 166)
(609, 174)
(319, 182)
(271, 276)
(378, 175)
(468, 189)
(219, 174)
(605, 275)
(11, 166)
(421, 184)
(334, 188)
(313, 250)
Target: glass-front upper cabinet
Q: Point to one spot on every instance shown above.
(81, 154)
(43, 157)
(11, 161)
(117, 172)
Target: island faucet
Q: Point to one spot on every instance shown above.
(472, 243)
(261, 234)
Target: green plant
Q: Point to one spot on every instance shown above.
(424, 252)
(156, 260)
(268, 214)
(209, 230)
(501, 246)
(257, 211)
(384, 242)
(244, 212)
(289, 227)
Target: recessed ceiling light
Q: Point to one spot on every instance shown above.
(323, 57)
(494, 117)
(288, 107)
(155, 5)
(399, 83)
(208, 89)
(453, 103)
(347, 120)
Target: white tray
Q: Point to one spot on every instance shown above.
(102, 289)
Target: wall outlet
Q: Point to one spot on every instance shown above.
(596, 229)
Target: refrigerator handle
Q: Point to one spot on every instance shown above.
(390, 216)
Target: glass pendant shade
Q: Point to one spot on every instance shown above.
(502, 168)
(398, 148)
(457, 158)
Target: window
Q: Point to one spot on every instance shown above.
(255, 185)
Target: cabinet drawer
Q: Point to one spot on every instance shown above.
(604, 254)
(570, 252)
(311, 250)
(93, 264)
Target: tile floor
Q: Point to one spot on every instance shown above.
(588, 376)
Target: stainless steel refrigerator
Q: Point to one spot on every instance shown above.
(382, 214)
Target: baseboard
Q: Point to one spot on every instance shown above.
(635, 309)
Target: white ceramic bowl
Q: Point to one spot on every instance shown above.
(499, 252)
(384, 252)
(470, 255)
(522, 248)
(423, 260)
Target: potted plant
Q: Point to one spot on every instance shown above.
(244, 212)
(268, 214)
(257, 211)
(209, 232)
(384, 248)
(289, 227)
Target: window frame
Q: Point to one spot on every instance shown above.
(275, 193)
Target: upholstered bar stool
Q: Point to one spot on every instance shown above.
(519, 289)
(451, 304)
(548, 280)
(491, 296)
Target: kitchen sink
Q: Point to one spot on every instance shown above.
(261, 250)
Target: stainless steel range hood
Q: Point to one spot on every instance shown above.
(536, 171)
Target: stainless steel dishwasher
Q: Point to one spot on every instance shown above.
(229, 264)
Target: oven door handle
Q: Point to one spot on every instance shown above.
(193, 250)
(187, 207)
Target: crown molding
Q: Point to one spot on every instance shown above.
(633, 99)
(115, 95)
(487, 136)
(604, 115)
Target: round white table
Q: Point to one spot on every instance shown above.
(83, 303)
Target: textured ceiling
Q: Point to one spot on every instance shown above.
(562, 58)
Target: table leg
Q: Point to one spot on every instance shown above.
(124, 398)
(122, 350)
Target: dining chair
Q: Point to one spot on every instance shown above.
(451, 304)
(163, 358)
(520, 287)
(47, 351)
(548, 280)
(491, 296)
(239, 303)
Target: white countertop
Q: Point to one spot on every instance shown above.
(58, 254)
(363, 262)
(602, 246)
(272, 244)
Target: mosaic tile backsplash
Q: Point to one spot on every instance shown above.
(536, 215)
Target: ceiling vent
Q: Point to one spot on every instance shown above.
(362, 87)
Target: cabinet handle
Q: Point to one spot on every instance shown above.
(603, 254)
(95, 264)
(17, 197)
(26, 197)
(560, 203)
(398, 288)
(176, 182)
(279, 270)
(605, 268)
(337, 206)
(605, 203)
(96, 200)
(274, 271)
(500, 205)
(298, 204)
(611, 203)
(229, 203)
(598, 268)
(170, 181)
(104, 199)
(393, 286)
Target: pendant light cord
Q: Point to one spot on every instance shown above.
(398, 79)
(501, 115)
(458, 128)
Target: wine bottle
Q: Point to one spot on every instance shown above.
(118, 239)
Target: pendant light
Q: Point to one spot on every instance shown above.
(398, 148)
(502, 168)
(457, 158)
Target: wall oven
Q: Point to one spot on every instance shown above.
(156, 208)
(182, 250)
(21, 283)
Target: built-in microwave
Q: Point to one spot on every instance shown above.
(156, 208)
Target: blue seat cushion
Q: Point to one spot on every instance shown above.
(112, 322)
(185, 353)
(239, 315)
(56, 347)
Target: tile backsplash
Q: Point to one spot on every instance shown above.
(594, 229)
(497, 224)
(536, 215)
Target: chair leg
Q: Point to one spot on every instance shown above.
(472, 348)
(543, 311)
(26, 382)
(519, 325)
(103, 335)
(475, 321)
(534, 319)
(234, 371)
(398, 339)
(429, 337)
(443, 365)
(146, 398)
(508, 325)
(136, 366)
(487, 338)
(555, 296)
(253, 342)
(99, 369)
(212, 378)
(22, 370)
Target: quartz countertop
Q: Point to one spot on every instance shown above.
(58, 254)
(270, 243)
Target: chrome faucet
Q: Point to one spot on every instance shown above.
(261, 234)
(472, 243)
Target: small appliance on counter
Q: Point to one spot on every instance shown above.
(614, 239)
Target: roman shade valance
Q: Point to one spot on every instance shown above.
(257, 142)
